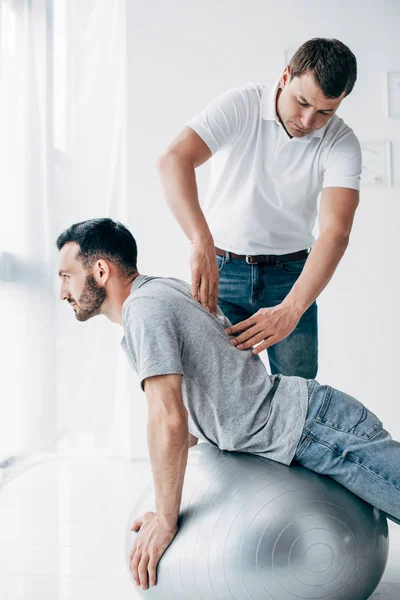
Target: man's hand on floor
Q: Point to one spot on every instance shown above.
(150, 544)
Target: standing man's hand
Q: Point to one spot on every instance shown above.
(266, 327)
(205, 278)
(150, 544)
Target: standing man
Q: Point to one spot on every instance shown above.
(274, 149)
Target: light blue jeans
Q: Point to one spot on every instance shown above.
(244, 289)
(343, 439)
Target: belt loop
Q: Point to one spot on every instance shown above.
(227, 256)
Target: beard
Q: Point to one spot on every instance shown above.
(91, 300)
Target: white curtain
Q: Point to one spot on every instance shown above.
(65, 386)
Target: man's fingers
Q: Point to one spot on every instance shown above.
(195, 284)
(213, 297)
(152, 570)
(252, 341)
(248, 335)
(132, 553)
(142, 571)
(134, 567)
(203, 292)
(241, 326)
(273, 339)
(137, 523)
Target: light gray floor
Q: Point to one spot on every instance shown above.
(62, 523)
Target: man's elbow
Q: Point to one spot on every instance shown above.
(161, 161)
(172, 418)
(167, 159)
(339, 237)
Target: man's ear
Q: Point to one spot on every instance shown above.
(101, 271)
(285, 77)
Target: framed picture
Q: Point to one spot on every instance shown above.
(376, 167)
(394, 95)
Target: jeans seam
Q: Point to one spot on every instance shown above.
(304, 444)
(311, 387)
(369, 435)
(344, 455)
(325, 404)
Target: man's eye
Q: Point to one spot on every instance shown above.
(302, 103)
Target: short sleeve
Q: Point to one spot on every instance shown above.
(152, 338)
(344, 163)
(222, 120)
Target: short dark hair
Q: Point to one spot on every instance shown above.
(103, 238)
(332, 64)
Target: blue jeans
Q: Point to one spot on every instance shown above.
(343, 439)
(244, 289)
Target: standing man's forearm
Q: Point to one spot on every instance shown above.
(178, 179)
(337, 210)
(271, 325)
(321, 264)
(176, 167)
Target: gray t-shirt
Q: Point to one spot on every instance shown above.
(232, 402)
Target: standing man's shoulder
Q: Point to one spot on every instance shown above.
(226, 116)
(343, 162)
(339, 133)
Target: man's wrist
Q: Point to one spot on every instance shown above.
(167, 524)
(295, 306)
(202, 239)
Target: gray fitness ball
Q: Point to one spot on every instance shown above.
(254, 529)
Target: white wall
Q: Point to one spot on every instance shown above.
(182, 54)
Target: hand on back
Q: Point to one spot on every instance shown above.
(205, 278)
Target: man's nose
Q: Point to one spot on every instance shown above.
(307, 119)
(64, 295)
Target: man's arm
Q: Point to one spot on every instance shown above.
(168, 438)
(271, 325)
(336, 216)
(177, 167)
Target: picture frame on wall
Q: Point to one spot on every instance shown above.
(376, 164)
(394, 95)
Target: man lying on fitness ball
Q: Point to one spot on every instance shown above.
(198, 385)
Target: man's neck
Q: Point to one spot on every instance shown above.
(278, 113)
(113, 306)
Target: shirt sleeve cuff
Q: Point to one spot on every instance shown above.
(346, 182)
(161, 371)
(205, 134)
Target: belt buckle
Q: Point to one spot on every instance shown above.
(250, 261)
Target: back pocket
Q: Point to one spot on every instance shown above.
(344, 413)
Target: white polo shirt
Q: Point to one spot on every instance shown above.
(264, 185)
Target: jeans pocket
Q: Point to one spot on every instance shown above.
(221, 260)
(294, 267)
(344, 413)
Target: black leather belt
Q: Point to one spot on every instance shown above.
(263, 259)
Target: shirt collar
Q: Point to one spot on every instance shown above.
(268, 112)
(136, 283)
